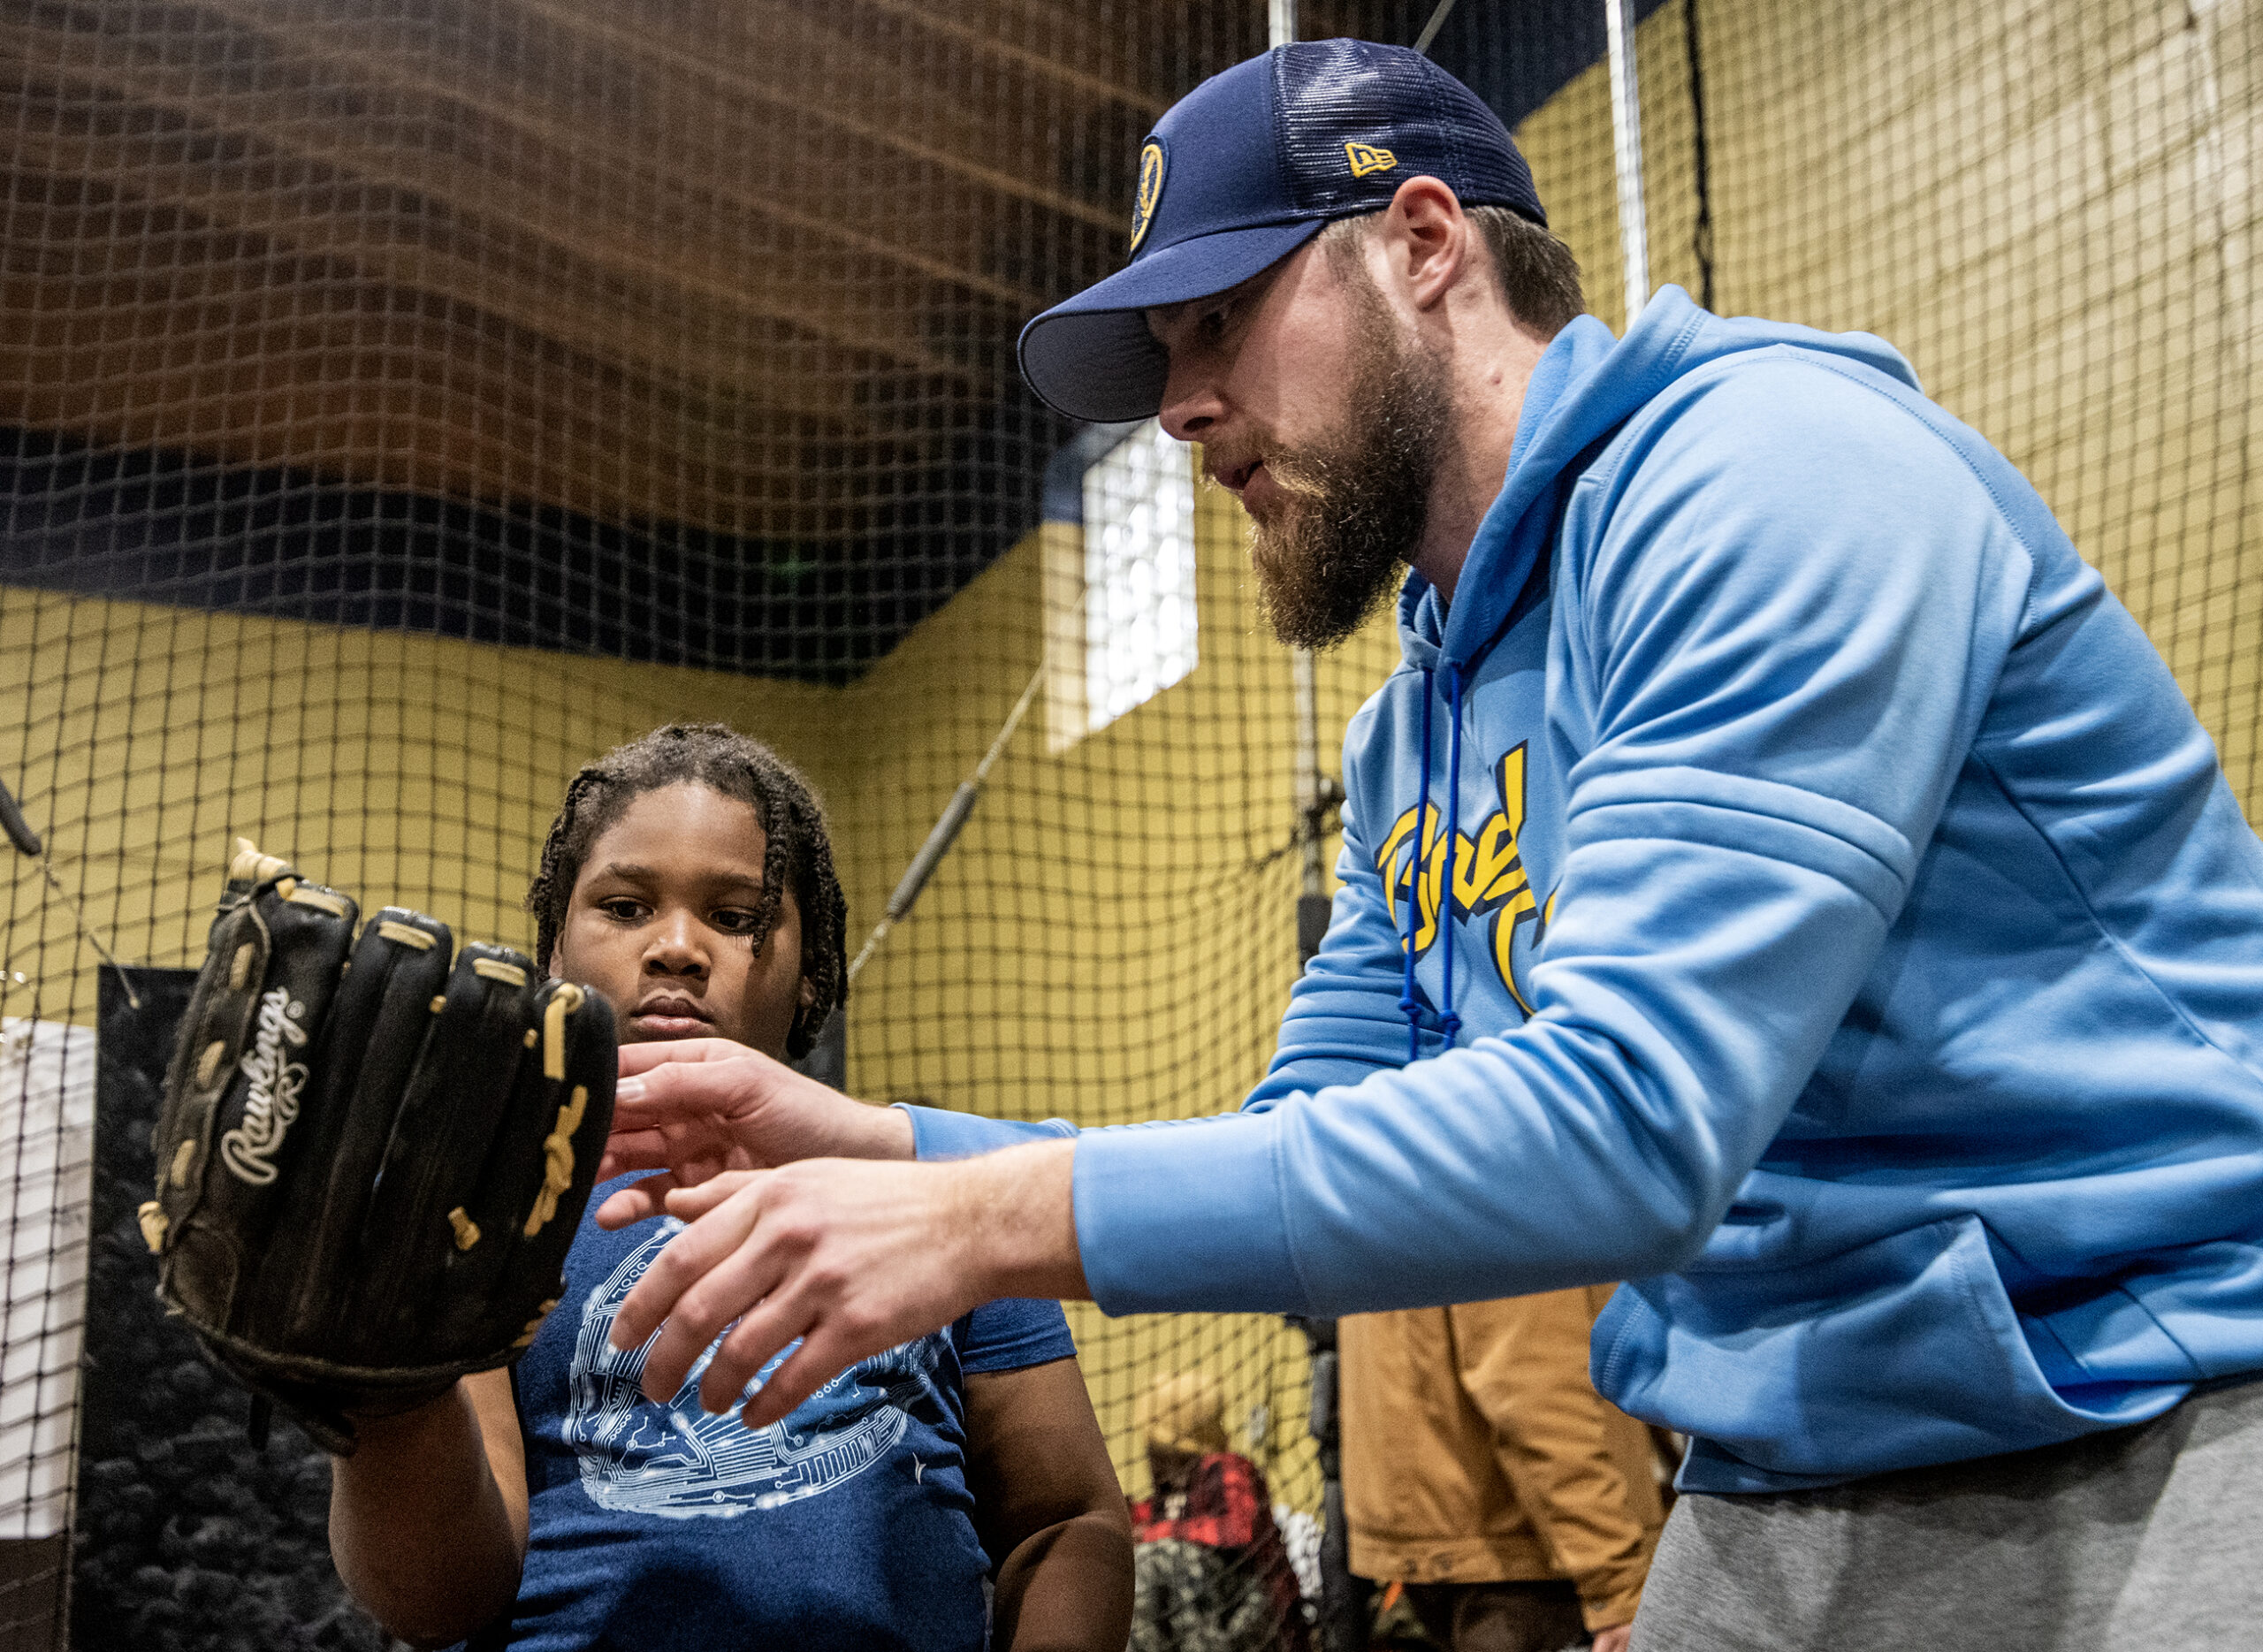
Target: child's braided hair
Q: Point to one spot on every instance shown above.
(798, 852)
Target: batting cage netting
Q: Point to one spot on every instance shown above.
(403, 401)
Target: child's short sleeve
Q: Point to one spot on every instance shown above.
(1012, 1334)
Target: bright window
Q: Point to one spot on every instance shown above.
(1138, 573)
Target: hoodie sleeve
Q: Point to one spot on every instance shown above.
(1790, 594)
(1344, 1021)
(945, 1133)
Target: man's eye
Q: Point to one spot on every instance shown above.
(627, 910)
(734, 920)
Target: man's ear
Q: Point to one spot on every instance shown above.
(1427, 239)
(808, 991)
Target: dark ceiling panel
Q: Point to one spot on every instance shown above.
(456, 314)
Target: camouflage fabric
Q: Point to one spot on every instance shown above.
(1193, 1598)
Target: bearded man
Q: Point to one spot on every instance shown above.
(1780, 875)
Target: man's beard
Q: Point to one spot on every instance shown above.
(1332, 553)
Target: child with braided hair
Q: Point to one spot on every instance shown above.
(952, 1492)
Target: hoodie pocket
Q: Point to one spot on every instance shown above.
(1899, 1353)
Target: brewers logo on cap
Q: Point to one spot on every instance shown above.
(1151, 191)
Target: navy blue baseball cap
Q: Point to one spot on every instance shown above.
(1243, 170)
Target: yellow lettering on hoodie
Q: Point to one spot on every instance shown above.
(1489, 871)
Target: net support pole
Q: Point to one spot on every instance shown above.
(1313, 796)
(945, 831)
(1310, 788)
(19, 832)
(1343, 1625)
(1627, 148)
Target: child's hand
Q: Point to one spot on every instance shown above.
(852, 1258)
(693, 1108)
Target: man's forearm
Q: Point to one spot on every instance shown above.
(876, 1132)
(1020, 1213)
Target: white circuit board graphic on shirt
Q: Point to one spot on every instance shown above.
(681, 1462)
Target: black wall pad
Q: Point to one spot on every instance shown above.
(186, 1539)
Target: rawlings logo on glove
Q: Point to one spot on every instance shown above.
(370, 1166)
(249, 1149)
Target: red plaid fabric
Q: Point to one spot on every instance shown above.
(1227, 1507)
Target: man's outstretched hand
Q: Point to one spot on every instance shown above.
(693, 1108)
(852, 1257)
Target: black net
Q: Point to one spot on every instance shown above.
(403, 401)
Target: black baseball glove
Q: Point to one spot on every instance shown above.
(369, 1167)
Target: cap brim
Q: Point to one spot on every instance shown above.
(1092, 357)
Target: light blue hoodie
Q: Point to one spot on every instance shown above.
(1853, 944)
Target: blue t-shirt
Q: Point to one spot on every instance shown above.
(848, 1524)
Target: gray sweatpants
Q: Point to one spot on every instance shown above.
(2141, 1538)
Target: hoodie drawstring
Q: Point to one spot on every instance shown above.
(1450, 1023)
(1410, 1005)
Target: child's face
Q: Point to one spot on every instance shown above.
(658, 919)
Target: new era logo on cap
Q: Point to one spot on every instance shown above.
(1365, 158)
(1242, 172)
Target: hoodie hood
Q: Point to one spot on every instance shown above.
(1586, 385)
(1583, 389)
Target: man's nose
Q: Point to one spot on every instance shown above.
(1192, 404)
